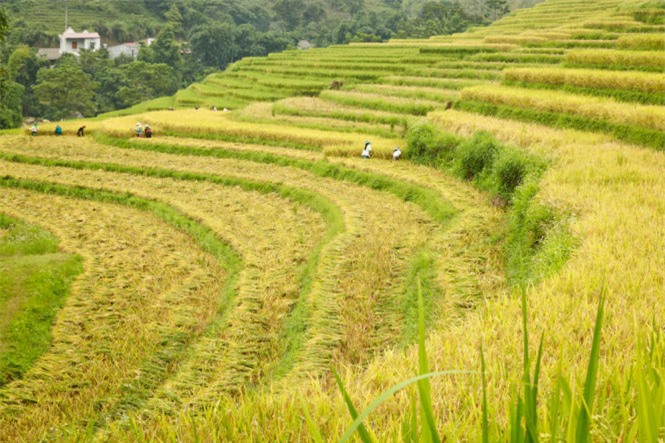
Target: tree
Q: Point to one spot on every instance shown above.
(214, 45)
(4, 24)
(314, 12)
(66, 90)
(437, 18)
(145, 81)
(289, 11)
(23, 66)
(163, 50)
(495, 9)
(10, 101)
(174, 18)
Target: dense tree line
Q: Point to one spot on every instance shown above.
(196, 37)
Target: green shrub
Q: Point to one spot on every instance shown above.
(539, 241)
(511, 168)
(475, 155)
(428, 145)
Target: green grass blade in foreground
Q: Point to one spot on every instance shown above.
(362, 430)
(646, 419)
(649, 387)
(387, 393)
(554, 406)
(584, 422)
(424, 388)
(531, 411)
(410, 423)
(485, 438)
(314, 432)
(390, 391)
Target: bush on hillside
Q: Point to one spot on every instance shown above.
(511, 168)
(428, 145)
(475, 155)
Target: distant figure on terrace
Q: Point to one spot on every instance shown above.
(148, 131)
(367, 150)
(397, 153)
(139, 129)
(58, 130)
(33, 130)
(336, 84)
(81, 131)
(213, 108)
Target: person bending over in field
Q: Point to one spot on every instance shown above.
(367, 150)
(139, 129)
(33, 130)
(81, 131)
(148, 131)
(58, 130)
(397, 153)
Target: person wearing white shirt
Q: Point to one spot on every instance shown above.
(367, 150)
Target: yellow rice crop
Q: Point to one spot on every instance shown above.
(589, 78)
(610, 57)
(642, 41)
(515, 39)
(230, 146)
(206, 122)
(142, 280)
(612, 192)
(263, 113)
(367, 217)
(552, 101)
(267, 285)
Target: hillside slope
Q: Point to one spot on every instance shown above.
(246, 252)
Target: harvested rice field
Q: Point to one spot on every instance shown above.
(246, 276)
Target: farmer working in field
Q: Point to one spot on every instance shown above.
(397, 153)
(367, 150)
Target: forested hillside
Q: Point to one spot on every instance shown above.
(321, 21)
(193, 38)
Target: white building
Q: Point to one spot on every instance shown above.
(71, 41)
(129, 49)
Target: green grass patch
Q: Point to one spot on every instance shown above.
(34, 283)
(421, 270)
(158, 366)
(538, 241)
(157, 104)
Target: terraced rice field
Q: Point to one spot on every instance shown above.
(232, 260)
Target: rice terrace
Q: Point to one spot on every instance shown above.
(247, 276)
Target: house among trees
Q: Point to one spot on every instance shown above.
(71, 41)
(130, 49)
(50, 54)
